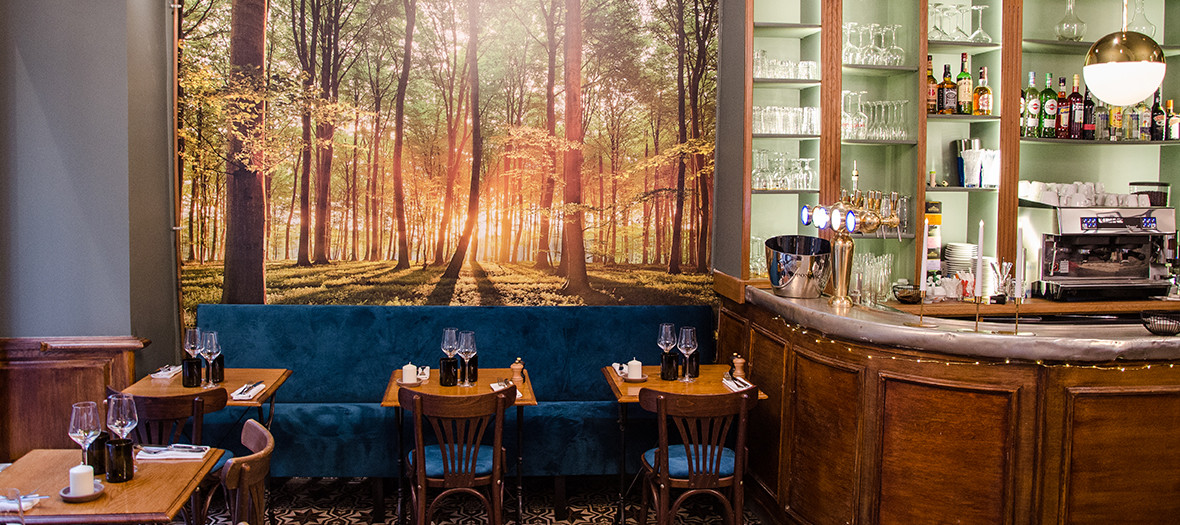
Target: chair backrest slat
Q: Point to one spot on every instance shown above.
(459, 424)
(703, 423)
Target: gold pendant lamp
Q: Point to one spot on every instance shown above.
(1124, 67)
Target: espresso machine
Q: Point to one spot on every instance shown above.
(1094, 254)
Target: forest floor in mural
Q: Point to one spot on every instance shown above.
(485, 284)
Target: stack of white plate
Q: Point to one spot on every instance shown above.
(958, 257)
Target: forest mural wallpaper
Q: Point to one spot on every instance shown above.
(494, 152)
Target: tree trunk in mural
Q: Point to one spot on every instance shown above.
(704, 32)
(399, 126)
(331, 63)
(306, 37)
(682, 137)
(544, 258)
(574, 254)
(245, 273)
(456, 264)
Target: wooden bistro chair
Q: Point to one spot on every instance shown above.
(164, 420)
(459, 462)
(244, 478)
(702, 464)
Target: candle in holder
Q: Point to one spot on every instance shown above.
(634, 369)
(979, 264)
(925, 250)
(81, 480)
(1018, 276)
(409, 373)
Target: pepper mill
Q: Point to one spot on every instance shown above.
(739, 366)
(517, 371)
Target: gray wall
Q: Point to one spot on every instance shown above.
(85, 184)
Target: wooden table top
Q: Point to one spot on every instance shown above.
(235, 378)
(487, 376)
(154, 495)
(709, 382)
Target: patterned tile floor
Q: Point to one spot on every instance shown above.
(347, 501)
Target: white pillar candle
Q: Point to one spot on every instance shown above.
(1018, 278)
(979, 263)
(925, 249)
(634, 369)
(82, 480)
(409, 373)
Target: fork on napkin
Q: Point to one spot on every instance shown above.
(166, 372)
(26, 502)
(501, 385)
(248, 391)
(735, 383)
(177, 451)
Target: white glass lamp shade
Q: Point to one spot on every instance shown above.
(1124, 67)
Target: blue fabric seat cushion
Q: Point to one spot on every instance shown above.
(678, 461)
(434, 461)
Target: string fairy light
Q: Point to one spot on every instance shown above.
(869, 355)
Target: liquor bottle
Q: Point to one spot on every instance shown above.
(948, 97)
(1101, 122)
(1173, 131)
(963, 81)
(1130, 123)
(1031, 109)
(931, 86)
(1064, 111)
(1159, 120)
(1144, 120)
(981, 98)
(1047, 121)
(1116, 123)
(1077, 111)
(1088, 125)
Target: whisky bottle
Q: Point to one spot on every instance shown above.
(931, 86)
(948, 97)
(1087, 116)
(1159, 120)
(1064, 114)
(1173, 131)
(1077, 111)
(1116, 123)
(981, 98)
(1144, 120)
(1031, 108)
(1047, 122)
(963, 81)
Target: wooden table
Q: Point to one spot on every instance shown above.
(487, 376)
(709, 382)
(235, 378)
(154, 495)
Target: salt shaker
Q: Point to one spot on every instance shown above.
(739, 366)
(517, 371)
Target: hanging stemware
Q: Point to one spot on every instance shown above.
(980, 35)
(935, 15)
(959, 34)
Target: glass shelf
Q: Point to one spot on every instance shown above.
(784, 136)
(796, 83)
(877, 71)
(959, 189)
(1057, 47)
(870, 142)
(875, 236)
(784, 192)
(955, 47)
(785, 30)
(1075, 142)
(963, 118)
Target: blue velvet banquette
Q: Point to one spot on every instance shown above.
(328, 419)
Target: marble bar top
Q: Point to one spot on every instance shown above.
(886, 328)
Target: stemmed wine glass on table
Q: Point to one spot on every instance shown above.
(121, 415)
(210, 349)
(192, 341)
(467, 351)
(687, 345)
(84, 425)
(667, 341)
(449, 368)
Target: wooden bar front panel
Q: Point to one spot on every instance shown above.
(765, 369)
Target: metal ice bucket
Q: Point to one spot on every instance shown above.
(799, 265)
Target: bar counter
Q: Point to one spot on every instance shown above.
(869, 421)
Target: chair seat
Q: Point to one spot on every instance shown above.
(678, 461)
(434, 461)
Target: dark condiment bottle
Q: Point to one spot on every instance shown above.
(217, 369)
(469, 372)
(692, 365)
(669, 366)
(448, 371)
(190, 372)
(96, 453)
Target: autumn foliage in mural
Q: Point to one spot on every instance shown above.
(451, 137)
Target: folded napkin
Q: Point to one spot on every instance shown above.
(166, 372)
(736, 384)
(620, 368)
(248, 391)
(172, 452)
(27, 502)
(496, 387)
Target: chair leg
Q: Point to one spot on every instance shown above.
(739, 517)
(378, 516)
(645, 489)
(561, 508)
(497, 503)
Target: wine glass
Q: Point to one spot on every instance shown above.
(936, 31)
(450, 341)
(980, 35)
(121, 416)
(667, 338)
(84, 426)
(210, 349)
(192, 341)
(687, 345)
(466, 351)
